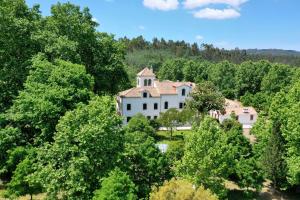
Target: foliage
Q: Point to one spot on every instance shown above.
(244, 170)
(249, 76)
(10, 138)
(86, 146)
(17, 24)
(143, 162)
(170, 119)
(222, 75)
(172, 70)
(139, 123)
(206, 97)
(50, 90)
(20, 183)
(260, 101)
(278, 77)
(207, 157)
(195, 71)
(117, 186)
(181, 189)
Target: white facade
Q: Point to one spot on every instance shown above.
(247, 116)
(152, 99)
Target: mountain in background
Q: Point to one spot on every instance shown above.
(273, 52)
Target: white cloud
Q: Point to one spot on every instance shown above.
(142, 27)
(191, 4)
(208, 13)
(161, 4)
(199, 37)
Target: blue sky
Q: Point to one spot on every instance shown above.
(224, 23)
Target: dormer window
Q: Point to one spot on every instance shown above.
(145, 94)
(183, 92)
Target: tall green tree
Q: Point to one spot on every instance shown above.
(21, 183)
(170, 119)
(249, 76)
(223, 76)
(85, 148)
(139, 123)
(207, 157)
(51, 89)
(117, 186)
(172, 70)
(70, 33)
(143, 162)
(278, 77)
(18, 22)
(291, 133)
(206, 97)
(195, 71)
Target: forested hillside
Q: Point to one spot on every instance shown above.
(62, 138)
(141, 52)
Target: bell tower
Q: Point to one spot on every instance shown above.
(145, 78)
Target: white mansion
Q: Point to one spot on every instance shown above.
(150, 97)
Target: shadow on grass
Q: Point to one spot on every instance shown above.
(267, 195)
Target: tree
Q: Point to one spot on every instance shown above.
(222, 75)
(10, 138)
(249, 76)
(85, 148)
(207, 157)
(100, 53)
(51, 89)
(172, 70)
(260, 101)
(17, 24)
(178, 189)
(271, 149)
(206, 97)
(143, 162)
(170, 119)
(244, 169)
(194, 71)
(278, 77)
(117, 186)
(139, 123)
(20, 183)
(291, 132)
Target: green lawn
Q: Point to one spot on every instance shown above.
(164, 137)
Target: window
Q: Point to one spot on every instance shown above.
(149, 82)
(155, 106)
(155, 117)
(145, 94)
(128, 119)
(183, 92)
(180, 105)
(237, 118)
(128, 106)
(166, 105)
(251, 117)
(144, 106)
(148, 117)
(145, 82)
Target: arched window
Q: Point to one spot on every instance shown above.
(145, 82)
(183, 92)
(149, 82)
